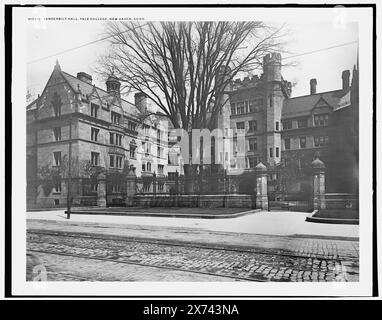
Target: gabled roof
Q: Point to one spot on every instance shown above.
(32, 105)
(88, 89)
(302, 106)
(344, 102)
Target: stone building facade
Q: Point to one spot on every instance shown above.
(102, 130)
(285, 133)
(105, 131)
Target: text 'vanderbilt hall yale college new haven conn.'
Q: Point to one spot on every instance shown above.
(105, 131)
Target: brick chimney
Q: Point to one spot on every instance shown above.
(345, 80)
(85, 77)
(313, 86)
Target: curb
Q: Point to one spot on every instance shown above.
(332, 220)
(53, 209)
(166, 215)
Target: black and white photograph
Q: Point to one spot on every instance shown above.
(192, 151)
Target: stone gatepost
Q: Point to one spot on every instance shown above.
(131, 188)
(101, 194)
(154, 180)
(318, 184)
(261, 187)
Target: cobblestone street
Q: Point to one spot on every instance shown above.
(78, 252)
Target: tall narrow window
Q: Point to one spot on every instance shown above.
(277, 152)
(111, 138)
(56, 103)
(57, 133)
(252, 125)
(131, 126)
(57, 184)
(287, 143)
(112, 161)
(233, 109)
(115, 117)
(270, 100)
(251, 106)
(171, 176)
(118, 162)
(253, 144)
(132, 151)
(94, 134)
(147, 147)
(57, 158)
(94, 110)
(95, 158)
(277, 126)
(159, 152)
(118, 139)
(271, 152)
(302, 142)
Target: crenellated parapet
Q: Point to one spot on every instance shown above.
(272, 67)
(272, 58)
(247, 82)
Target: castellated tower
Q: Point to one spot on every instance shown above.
(274, 98)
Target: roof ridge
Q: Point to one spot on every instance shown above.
(315, 94)
(93, 85)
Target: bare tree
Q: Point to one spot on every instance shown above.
(185, 67)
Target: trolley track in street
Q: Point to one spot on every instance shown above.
(235, 263)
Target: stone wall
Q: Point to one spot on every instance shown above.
(342, 201)
(209, 201)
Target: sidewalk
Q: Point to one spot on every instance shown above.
(267, 223)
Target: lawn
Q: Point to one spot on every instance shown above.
(337, 214)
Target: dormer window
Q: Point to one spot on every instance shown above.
(132, 126)
(321, 120)
(115, 117)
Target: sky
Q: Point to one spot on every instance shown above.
(326, 66)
